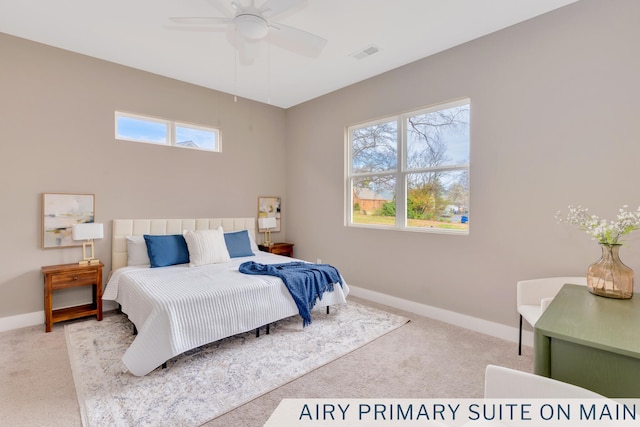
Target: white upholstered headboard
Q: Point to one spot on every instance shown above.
(137, 227)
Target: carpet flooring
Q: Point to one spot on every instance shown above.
(206, 382)
(423, 359)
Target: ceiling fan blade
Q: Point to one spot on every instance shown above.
(237, 6)
(274, 7)
(300, 37)
(222, 6)
(248, 51)
(203, 20)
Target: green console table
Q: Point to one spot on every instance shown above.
(590, 341)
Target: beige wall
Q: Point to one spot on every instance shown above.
(57, 131)
(555, 121)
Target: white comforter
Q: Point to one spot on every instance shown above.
(178, 308)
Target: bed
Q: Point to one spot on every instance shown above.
(180, 307)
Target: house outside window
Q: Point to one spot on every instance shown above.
(411, 171)
(153, 130)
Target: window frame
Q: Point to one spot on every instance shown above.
(401, 171)
(170, 131)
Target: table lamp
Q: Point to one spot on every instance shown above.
(267, 224)
(87, 231)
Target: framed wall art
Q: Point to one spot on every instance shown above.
(269, 207)
(59, 212)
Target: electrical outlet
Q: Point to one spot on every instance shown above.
(318, 261)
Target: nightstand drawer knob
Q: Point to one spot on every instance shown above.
(75, 277)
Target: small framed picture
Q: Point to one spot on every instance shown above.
(59, 212)
(269, 207)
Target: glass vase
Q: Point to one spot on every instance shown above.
(609, 277)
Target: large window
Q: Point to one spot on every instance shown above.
(131, 127)
(411, 171)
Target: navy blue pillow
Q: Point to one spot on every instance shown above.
(166, 250)
(238, 244)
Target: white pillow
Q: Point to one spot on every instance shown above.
(206, 247)
(137, 251)
(254, 246)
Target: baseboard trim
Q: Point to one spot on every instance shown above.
(22, 321)
(468, 322)
(37, 318)
(494, 329)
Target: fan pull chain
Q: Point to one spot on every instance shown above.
(235, 65)
(269, 68)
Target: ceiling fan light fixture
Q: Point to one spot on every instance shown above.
(251, 26)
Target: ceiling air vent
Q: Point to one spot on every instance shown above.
(367, 51)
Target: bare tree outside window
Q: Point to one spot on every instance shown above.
(412, 170)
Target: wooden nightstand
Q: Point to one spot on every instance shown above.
(285, 249)
(66, 276)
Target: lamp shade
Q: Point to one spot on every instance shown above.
(87, 231)
(268, 222)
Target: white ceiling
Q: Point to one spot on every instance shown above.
(139, 34)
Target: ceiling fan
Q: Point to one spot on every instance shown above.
(254, 23)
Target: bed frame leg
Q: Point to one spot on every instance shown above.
(258, 330)
(327, 309)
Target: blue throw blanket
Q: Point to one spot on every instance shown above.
(306, 282)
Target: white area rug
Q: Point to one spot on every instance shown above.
(206, 382)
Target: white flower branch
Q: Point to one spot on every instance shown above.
(605, 232)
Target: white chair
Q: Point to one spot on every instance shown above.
(534, 296)
(506, 383)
